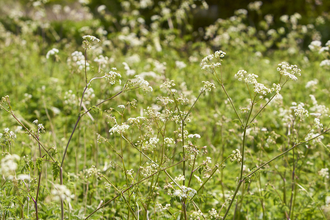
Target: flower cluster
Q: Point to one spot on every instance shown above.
(112, 77)
(51, 52)
(324, 173)
(8, 134)
(207, 62)
(236, 156)
(290, 71)
(301, 112)
(148, 169)
(77, 60)
(119, 129)
(88, 40)
(251, 78)
(208, 86)
(93, 171)
(9, 165)
(61, 193)
(184, 192)
(70, 98)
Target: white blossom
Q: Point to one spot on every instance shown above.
(61, 193)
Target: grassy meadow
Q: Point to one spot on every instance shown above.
(134, 114)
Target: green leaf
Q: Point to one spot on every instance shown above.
(56, 169)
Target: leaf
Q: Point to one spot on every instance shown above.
(56, 169)
(39, 164)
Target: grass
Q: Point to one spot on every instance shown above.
(174, 143)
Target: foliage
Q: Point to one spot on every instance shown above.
(149, 119)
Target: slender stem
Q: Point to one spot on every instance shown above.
(232, 104)
(263, 107)
(264, 164)
(244, 139)
(128, 188)
(86, 66)
(183, 153)
(215, 169)
(293, 184)
(280, 155)
(43, 147)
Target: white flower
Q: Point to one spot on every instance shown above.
(255, 6)
(179, 178)
(129, 72)
(289, 71)
(90, 38)
(143, 84)
(324, 173)
(61, 192)
(112, 77)
(180, 64)
(23, 177)
(9, 165)
(185, 192)
(311, 83)
(194, 136)
(325, 63)
(317, 137)
(301, 112)
(52, 52)
(208, 86)
(119, 129)
(315, 45)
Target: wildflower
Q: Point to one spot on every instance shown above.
(143, 84)
(89, 95)
(214, 214)
(196, 215)
(315, 45)
(255, 6)
(93, 171)
(41, 127)
(301, 112)
(102, 60)
(51, 52)
(312, 84)
(119, 129)
(70, 98)
(184, 192)
(194, 136)
(208, 86)
(325, 63)
(289, 71)
(160, 208)
(129, 72)
(240, 75)
(61, 192)
(112, 77)
(324, 173)
(23, 177)
(319, 109)
(90, 38)
(167, 84)
(148, 169)
(179, 178)
(180, 64)
(9, 165)
(236, 155)
(77, 59)
(315, 136)
(208, 160)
